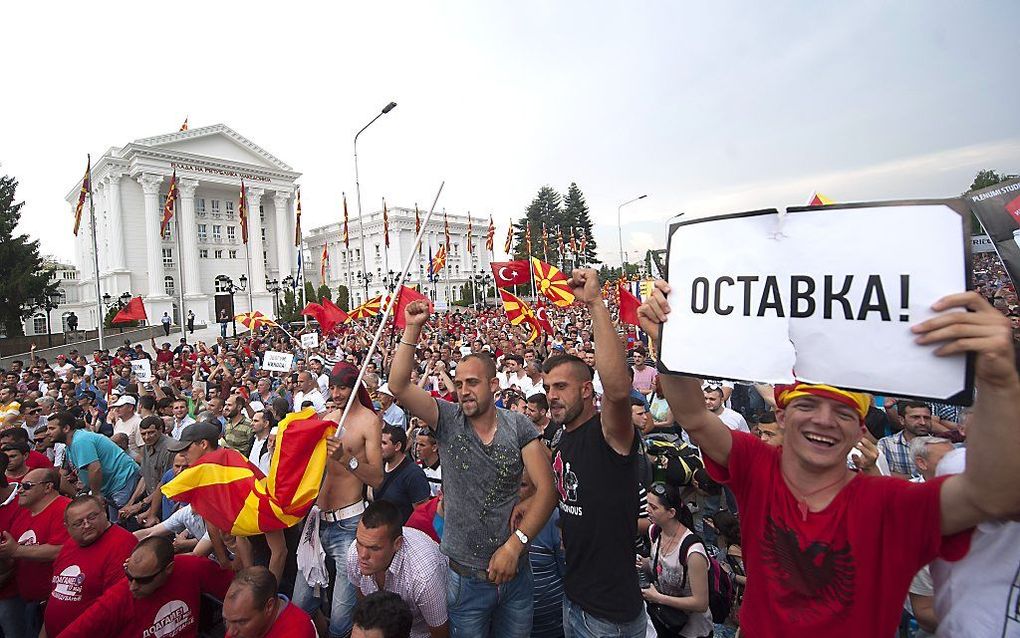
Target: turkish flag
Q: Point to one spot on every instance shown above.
(405, 297)
(542, 314)
(511, 273)
(628, 306)
(333, 311)
(133, 311)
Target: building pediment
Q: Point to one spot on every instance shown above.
(218, 141)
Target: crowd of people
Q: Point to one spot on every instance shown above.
(485, 485)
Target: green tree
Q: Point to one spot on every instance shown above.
(25, 278)
(310, 292)
(343, 297)
(577, 216)
(545, 207)
(325, 293)
(984, 179)
(288, 306)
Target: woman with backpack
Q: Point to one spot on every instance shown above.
(678, 596)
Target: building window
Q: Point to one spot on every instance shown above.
(203, 232)
(168, 258)
(217, 232)
(262, 210)
(203, 253)
(263, 233)
(230, 207)
(218, 254)
(215, 206)
(357, 253)
(231, 233)
(377, 250)
(200, 205)
(456, 249)
(168, 285)
(61, 296)
(221, 284)
(39, 324)
(232, 254)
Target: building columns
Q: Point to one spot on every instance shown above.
(285, 262)
(189, 236)
(255, 247)
(116, 230)
(153, 241)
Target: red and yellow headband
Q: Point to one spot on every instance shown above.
(859, 401)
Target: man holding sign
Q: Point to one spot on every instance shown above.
(833, 553)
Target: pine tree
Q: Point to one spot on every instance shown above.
(343, 297)
(546, 207)
(25, 279)
(576, 216)
(324, 293)
(310, 293)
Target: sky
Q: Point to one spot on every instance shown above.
(707, 108)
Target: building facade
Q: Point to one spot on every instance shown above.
(130, 185)
(344, 265)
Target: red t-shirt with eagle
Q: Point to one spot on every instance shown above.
(844, 571)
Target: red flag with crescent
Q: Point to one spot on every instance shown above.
(542, 315)
(510, 273)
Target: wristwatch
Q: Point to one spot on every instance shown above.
(353, 463)
(521, 536)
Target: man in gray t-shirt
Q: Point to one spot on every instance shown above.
(485, 450)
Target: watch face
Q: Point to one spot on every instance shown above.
(353, 464)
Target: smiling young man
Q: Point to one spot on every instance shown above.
(835, 551)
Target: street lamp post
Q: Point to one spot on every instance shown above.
(227, 285)
(108, 301)
(357, 187)
(273, 286)
(619, 229)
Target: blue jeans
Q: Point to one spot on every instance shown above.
(480, 609)
(577, 623)
(336, 539)
(120, 497)
(12, 617)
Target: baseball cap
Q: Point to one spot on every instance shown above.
(204, 431)
(126, 399)
(385, 389)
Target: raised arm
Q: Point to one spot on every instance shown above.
(419, 402)
(610, 361)
(684, 394)
(987, 488)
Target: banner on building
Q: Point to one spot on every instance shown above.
(815, 293)
(998, 209)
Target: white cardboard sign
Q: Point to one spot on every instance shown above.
(310, 340)
(826, 294)
(277, 361)
(142, 369)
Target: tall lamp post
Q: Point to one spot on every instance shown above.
(619, 229)
(357, 187)
(227, 285)
(273, 286)
(48, 303)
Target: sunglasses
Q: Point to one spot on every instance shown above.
(143, 580)
(24, 486)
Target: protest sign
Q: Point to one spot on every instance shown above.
(142, 369)
(998, 209)
(815, 293)
(310, 340)
(277, 361)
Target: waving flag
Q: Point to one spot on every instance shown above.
(417, 225)
(169, 206)
(510, 273)
(334, 312)
(347, 243)
(542, 315)
(552, 283)
(370, 308)
(184, 126)
(470, 248)
(232, 494)
(573, 242)
(439, 261)
(509, 239)
(317, 312)
(86, 189)
(490, 236)
(324, 261)
(559, 240)
(518, 312)
(404, 297)
(446, 230)
(545, 240)
(134, 310)
(628, 305)
(584, 241)
(242, 214)
(385, 223)
(255, 320)
(817, 199)
(297, 221)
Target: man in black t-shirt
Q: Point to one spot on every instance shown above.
(404, 482)
(595, 464)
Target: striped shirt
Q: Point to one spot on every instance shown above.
(417, 574)
(896, 449)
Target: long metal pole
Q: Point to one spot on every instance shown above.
(95, 262)
(357, 190)
(251, 284)
(382, 322)
(180, 268)
(619, 230)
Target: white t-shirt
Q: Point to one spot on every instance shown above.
(734, 420)
(130, 428)
(318, 401)
(978, 595)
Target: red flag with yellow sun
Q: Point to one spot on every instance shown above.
(518, 312)
(552, 283)
(370, 308)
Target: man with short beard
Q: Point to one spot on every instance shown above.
(538, 411)
(238, 434)
(87, 567)
(916, 417)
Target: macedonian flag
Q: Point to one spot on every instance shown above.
(254, 320)
(552, 283)
(518, 312)
(370, 308)
(232, 494)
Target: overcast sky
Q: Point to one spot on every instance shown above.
(706, 108)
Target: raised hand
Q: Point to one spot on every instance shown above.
(584, 283)
(652, 313)
(417, 313)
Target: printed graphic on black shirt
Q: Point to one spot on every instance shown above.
(567, 485)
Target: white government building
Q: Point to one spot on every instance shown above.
(345, 265)
(130, 185)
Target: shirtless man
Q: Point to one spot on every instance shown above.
(355, 460)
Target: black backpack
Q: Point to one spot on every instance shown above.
(721, 588)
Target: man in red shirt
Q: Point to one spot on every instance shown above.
(90, 565)
(12, 610)
(833, 552)
(159, 596)
(252, 609)
(19, 435)
(35, 540)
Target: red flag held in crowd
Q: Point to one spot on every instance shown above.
(405, 297)
(510, 273)
(169, 206)
(86, 188)
(232, 494)
(133, 311)
(333, 311)
(242, 214)
(542, 315)
(518, 312)
(552, 283)
(628, 305)
(318, 313)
